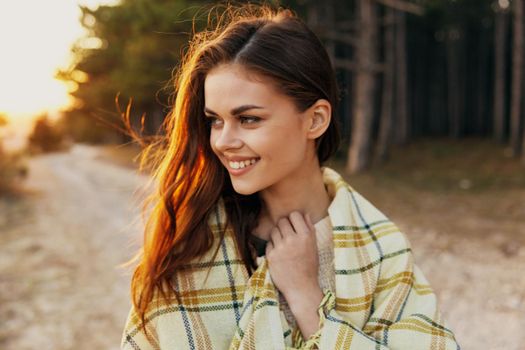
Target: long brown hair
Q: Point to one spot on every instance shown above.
(272, 42)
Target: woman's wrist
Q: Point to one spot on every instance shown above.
(304, 306)
(304, 298)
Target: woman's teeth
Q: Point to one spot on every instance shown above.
(242, 164)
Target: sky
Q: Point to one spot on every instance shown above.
(35, 40)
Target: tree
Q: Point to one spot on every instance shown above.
(516, 110)
(500, 48)
(364, 83)
(45, 137)
(387, 105)
(401, 80)
(455, 43)
(367, 66)
(130, 53)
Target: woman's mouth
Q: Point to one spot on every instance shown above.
(241, 167)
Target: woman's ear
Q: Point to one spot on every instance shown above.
(319, 116)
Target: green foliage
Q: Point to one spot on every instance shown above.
(132, 49)
(139, 44)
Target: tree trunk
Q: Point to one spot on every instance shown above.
(500, 40)
(385, 126)
(517, 79)
(482, 95)
(329, 21)
(403, 125)
(454, 83)
(364, 83)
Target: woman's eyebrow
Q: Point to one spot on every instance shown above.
(236, 110)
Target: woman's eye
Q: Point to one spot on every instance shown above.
(249, 119)
(216, 122)
(213, 121)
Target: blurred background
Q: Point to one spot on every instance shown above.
(433, 122)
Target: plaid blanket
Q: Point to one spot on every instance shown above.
(381, 299)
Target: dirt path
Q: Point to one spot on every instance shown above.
(60, 287)
(59, 248)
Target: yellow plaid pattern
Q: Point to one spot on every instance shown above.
(381, 300)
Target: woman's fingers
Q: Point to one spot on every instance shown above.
(309, 222)
(269, 247)
(292, 253)
(275, 235)
(289, 226)
(285, 227)
(299, 223)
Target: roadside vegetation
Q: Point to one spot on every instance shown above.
(13, 168)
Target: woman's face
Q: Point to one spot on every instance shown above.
(256, 132)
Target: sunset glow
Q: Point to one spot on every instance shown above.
(36, 37)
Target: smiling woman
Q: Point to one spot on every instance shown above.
(36, 38)
(252, 242)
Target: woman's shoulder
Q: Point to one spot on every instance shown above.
(217, 216)
(351, 212)
(379, 227)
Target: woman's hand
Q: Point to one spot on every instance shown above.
(293, 262)
(292, 256)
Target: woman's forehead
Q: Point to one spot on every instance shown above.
(230, 85)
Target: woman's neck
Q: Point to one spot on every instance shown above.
(305, 193)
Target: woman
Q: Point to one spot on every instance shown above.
(252, 244)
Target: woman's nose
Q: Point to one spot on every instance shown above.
(227, 138)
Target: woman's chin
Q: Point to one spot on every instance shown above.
(244, 187)
(244, 190)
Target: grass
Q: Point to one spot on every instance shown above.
(445, 166)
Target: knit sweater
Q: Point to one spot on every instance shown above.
(381, 299)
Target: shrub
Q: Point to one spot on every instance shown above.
(45, 137)
(13, 170)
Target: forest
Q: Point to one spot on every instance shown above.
(432, 115)
(406, 69)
